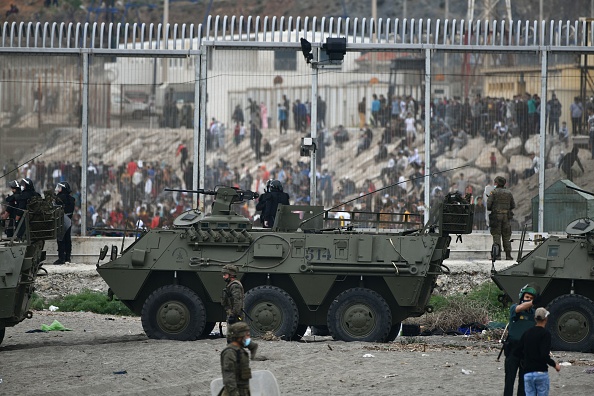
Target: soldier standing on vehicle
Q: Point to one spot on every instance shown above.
(233, 297)
(27, 192)
(11, 208)
(235, 363)
(521, 318)
(501, 203)
(66, 201)
(269, 201)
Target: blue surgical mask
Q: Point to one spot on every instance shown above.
(246, 342)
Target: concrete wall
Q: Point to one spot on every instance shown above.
(475, 246)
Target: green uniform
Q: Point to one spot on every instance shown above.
(519, 322)
(501, 203)
(233, 300)
(235, 364)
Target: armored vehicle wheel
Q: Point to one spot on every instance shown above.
(301, 329)
(394, 330)
(2, 331)
(173, 312)
(571, 323)
(359, 314)
(207, 329)
(271, 309)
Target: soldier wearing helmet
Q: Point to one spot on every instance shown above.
(521, 318)
(27, 192)
(501, 203)
(235, 363)
(269, 201)
(12, 208)
(66, 201)
(233, 297)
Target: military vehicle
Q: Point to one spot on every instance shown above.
(360, 275)
(561, 268)
(22, 259)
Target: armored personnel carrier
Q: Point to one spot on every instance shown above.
(359, 276)
(561, 268)
(21, 259)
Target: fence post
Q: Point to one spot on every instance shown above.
(85, 142)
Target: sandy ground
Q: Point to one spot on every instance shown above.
(86, 360)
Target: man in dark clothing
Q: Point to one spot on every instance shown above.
(567, 162)
(270, 200)
(27, 192)
(66, 201)
(12, 208)
(534, 350)
(501, 203)
(521, 318)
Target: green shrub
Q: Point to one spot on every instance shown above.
(87, 301)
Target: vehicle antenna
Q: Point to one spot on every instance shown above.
(379, 189)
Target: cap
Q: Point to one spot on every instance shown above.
(541, 314)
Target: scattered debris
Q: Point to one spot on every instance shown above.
(368, 355)
(467, 372)
(53, 308)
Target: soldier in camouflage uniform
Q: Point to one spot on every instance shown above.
(501, 203)
(235, 362)
(233, 300)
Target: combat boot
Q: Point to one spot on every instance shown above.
(508, 256)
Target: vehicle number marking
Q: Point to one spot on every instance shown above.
(318, 254)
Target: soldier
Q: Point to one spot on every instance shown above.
(233, 300)
(65, 200)
(501, 203)
(235, 363)
(521, 318)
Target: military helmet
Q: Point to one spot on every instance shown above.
(500, 181)
(230, 269)
(276, 185)
(530, 289)
(237, 330)
(14, 184)
(63, 186)
(27, 184)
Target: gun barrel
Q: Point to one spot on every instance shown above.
(200, 191)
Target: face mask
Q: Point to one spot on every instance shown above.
(246, 342)
(228, 279)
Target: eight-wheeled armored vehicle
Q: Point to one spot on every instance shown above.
(22, 258)
(561, 268)
(360, 275)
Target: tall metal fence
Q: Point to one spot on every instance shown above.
(425, 107)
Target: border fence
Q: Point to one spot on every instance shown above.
(419, 107)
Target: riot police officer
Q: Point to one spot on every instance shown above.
(66, 201)
(233, 297)
(27, 192)
(270, 200)
(12, 207)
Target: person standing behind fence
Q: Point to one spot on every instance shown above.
(554, 112)
(577, 110)
(501, 203)
(361, 110)
(66, 201)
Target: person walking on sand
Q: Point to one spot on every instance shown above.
(233, 296)
(535, 350)
(235, 362)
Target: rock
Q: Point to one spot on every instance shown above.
(469, 152)
(513, 147)
(484, 159)
(519, 163)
